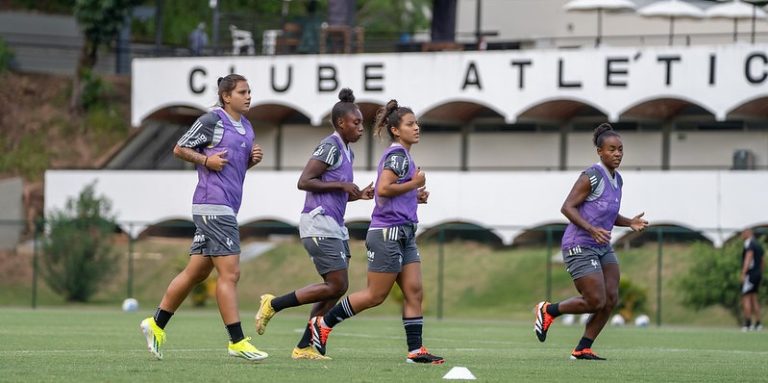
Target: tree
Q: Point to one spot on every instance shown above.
(100, 21)
(77, 252)
(713, 280)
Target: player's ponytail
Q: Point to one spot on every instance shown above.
(345, 105)
(603, 131)
(389, 116)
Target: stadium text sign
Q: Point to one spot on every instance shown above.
(612, 80)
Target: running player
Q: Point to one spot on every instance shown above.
(220, 144)
(391, 239)
(592, 207)
(752, 267)
(327, 179)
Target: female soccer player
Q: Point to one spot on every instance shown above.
(391, 240)
(220, 144)
(327, 179)
(592, 207)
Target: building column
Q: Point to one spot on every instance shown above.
(666, 134)
(279, 147)
(466, 129)
(565, 127)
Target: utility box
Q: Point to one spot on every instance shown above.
(743, 159)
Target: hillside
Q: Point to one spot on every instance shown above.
(39, 132)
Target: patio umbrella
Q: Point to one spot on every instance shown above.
(671, 9)
(599, 6)
(736, 9)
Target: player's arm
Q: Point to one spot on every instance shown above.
(636, 223)
(199, 135)
(570, 209)
(324, 156)
(745, 265)
(396, 166)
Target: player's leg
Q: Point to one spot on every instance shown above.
(228, 269)
(198, 268)
(597, 321)
(331, 259)
(757, 324)
(339, 281)
(410, 283)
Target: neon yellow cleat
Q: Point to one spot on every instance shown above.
(266, 312)
(244, 349)
(308, 353)
(155, 336)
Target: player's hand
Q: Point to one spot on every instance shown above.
(367, 192)
(600, 235)
(423, 194)
(420, 178)
(637, 223)
(351, 189)
(217, 161)
(256, 154)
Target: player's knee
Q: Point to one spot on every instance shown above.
(596, 302)
(377, 297)
(337, 290)
(414, 294)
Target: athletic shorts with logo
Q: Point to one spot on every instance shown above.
(585, 260)
(751, 283)
(390, 248)
(328, 254)
(215, 235)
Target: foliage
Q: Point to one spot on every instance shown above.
(100, 21)
(48, 6)
(94, 89)
(632, 299)
(713, 280)
(6, 56)
(27, 157)
(77, 252)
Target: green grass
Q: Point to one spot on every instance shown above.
(78, 344)
(480, 282)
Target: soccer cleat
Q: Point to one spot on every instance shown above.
(585, 354)
(543, 320)
(266, 312)
(308, 353)
(319, 333)
(155, 336)
(423, 356)
(244, 349)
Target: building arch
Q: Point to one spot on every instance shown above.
(461, 230)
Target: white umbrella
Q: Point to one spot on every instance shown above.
(736, 9)
(672, 9)
(599, 6)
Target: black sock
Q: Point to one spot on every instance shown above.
(162, 317)
(306, 339)
(338, 313)
(413, 328)
(235, 331)
(584, 343)
(554, 309)
(285, 301)
(757, 324)
(747, 323)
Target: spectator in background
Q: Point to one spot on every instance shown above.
(751, 274)
(198, 40)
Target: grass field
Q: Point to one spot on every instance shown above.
(84, 344)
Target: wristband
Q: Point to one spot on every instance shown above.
(205, 163)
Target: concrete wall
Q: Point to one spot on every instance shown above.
(12, 218)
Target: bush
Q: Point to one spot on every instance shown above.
(6, 56)
(77, 252)
(713, 280)
(632, 299)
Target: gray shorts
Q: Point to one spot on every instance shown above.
(328, 254)
(215, 235)
(584, 260)
(391, 248)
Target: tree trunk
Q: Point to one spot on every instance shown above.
(85, 63)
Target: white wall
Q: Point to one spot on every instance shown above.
(641, 150)
(514, 150)
(719, 203)
(700, 149)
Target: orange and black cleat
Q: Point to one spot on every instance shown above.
(585, 354)
(423, 356)
(543, 320)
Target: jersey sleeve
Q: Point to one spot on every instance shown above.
(397, 162)
(200, 134)
(327, 152)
